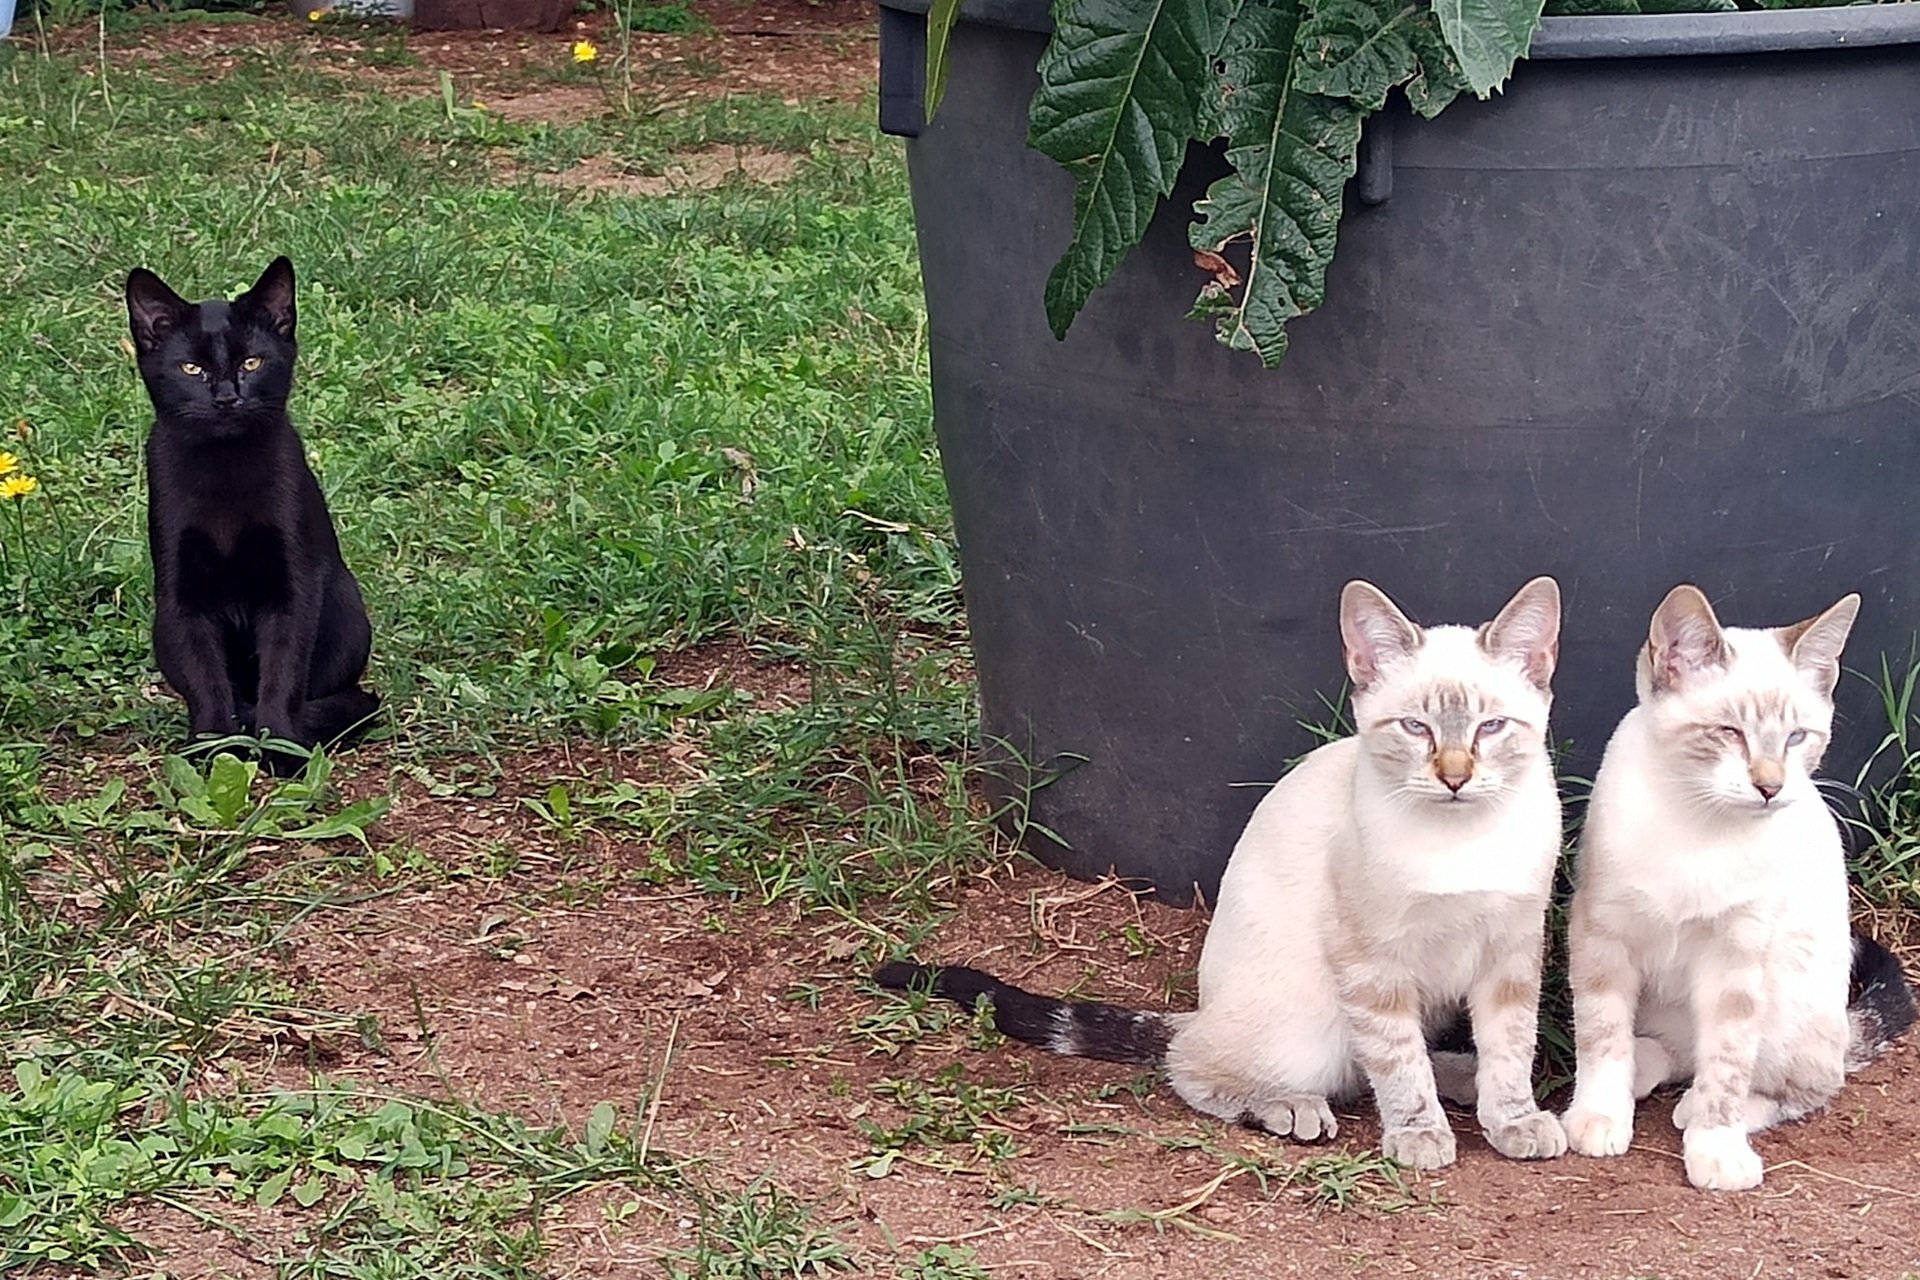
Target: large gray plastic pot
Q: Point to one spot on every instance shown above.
(1651, 315)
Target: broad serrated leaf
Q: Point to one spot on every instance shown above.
(940, 19)
(1292, 153)
(1363, 49)
(1122, 87)
(1487, 37)
(1211, 120)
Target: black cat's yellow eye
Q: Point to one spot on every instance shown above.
(251, 363)
(190, 368)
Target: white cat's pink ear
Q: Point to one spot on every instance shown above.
(1527, 631)
(1374, 631)
(1685, 639)
(1815, 645)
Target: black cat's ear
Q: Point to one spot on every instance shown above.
(153, 310)
(271, 297)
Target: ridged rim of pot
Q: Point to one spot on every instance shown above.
(1663, 35)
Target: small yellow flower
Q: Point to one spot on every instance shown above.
(8, 463)
(584, 51)
(14, 488)
(479, 105)
(314, 15)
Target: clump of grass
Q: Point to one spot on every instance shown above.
(669, 17)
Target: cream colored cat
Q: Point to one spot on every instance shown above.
(1389, 878)
(1709, 934)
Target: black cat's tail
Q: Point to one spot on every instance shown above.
(342, 716)
(1081, 1029)
(1881, 1008)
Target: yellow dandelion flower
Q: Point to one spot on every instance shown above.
(8, 463)
(585, 51)
(479, 105)
(14, 488)
(314, 15)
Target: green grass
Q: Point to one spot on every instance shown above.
(562, 435)
(559, 435)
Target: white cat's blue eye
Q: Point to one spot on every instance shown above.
(1797, 737)
(1732, 733)
(1418, 728)
(1490, 727)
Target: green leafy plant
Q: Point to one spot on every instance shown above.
(1127, 85)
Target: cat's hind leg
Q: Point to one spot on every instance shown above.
(1282, 1084)
(343, 641)
(340, 715)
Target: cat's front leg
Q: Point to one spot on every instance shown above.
(285, 638)
(1383, 1017)
(1504, 1002)
(1728, 999)
(1606, 988)
(190, 648)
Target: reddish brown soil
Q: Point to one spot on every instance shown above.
(787, 49)
(524, 1003)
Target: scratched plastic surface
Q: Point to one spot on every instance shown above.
(1636, 321)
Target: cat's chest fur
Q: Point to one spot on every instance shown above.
(221, 523)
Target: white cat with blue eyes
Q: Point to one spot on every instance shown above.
(1709, 935)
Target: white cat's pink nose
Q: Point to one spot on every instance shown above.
(1454, 768)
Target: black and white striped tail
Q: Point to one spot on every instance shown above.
(1881, 1007)
(1079, 1029)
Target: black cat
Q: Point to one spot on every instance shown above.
(257, 622)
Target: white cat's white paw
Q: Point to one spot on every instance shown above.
(1721, 1159)
(1419, 1148)
(1304, 1117)
(1598, 1133)
(1535, 1137)
(1683, 1111)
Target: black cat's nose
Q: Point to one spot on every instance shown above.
(225, 396)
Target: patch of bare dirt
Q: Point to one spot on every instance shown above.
(693, 171)
(734, 1027)
(568, 104)
(786, 49)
